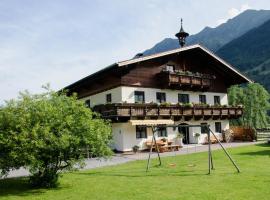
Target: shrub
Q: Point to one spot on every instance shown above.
(48, 133)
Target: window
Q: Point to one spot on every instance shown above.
(170, 68)
(139, 97)
(204, 129)
(216, 100)
(108, 98)
(202, 99)
(161, 97)
(141, 132)
(87, 103)
(218, 127)
(162, 132)
(183, 98)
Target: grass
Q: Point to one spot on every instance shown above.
(187, 180)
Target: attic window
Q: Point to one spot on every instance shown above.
(170, 68)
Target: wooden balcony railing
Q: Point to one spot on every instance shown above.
(191, 81)
(115, 111)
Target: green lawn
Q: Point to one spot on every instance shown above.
(130, 181)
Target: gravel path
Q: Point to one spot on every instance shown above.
(127, 157)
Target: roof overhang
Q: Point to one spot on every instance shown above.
(114, 65)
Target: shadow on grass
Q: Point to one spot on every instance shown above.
(20, 187)
(265, 151)
(139, 172)
(263, 145)
(17, 187)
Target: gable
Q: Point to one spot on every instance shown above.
(212, 57)
(143, 71)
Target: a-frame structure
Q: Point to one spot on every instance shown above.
(209, 132)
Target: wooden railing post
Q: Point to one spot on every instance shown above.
(144, 111)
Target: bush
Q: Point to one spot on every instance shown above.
(48, 133)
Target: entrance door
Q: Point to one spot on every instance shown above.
(185, 132)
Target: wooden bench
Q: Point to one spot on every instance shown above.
(163, 146)
(213, 140)
(174, 147)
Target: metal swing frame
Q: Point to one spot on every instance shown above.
(209, 132)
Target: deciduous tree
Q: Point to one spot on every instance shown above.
(48, 133)
(255, 100)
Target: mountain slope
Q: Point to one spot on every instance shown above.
(250, 53)
(249, 50)
(215, 38)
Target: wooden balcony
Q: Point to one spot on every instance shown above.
(177, 112)
(185, 81)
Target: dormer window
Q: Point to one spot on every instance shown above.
(170, 68)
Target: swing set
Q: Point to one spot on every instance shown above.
(209, 132)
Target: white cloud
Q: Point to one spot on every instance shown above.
(232, 12)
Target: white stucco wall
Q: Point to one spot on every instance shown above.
(100, 98)
(171, 95)
(124, 134)
(126, 94)
(128, 139)
(203, 137)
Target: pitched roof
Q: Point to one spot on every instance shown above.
(166, 53)
(144, 58)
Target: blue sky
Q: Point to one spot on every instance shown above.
(61, 41)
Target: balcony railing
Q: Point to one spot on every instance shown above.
(116, 111)
(185, 80)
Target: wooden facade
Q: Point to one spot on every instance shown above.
(146, 73)
(185, 81)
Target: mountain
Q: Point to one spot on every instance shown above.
(250, 53)
(215, 38)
